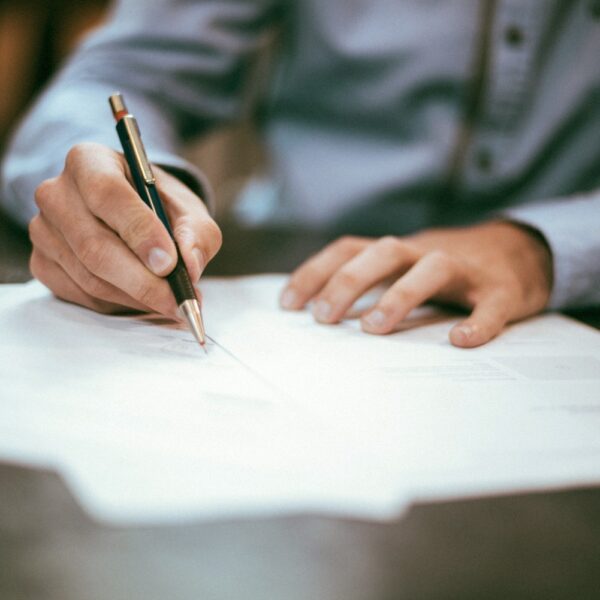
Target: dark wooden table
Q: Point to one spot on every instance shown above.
(530, 546)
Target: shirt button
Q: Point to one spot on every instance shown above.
(484, 160)
(513, 35)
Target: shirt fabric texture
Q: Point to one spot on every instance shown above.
(380, 116)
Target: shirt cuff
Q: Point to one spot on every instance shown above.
(570, 227)
(187, 173)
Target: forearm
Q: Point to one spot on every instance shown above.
(65, 116)
(179, 64)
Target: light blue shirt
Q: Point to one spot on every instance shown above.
(381, 115)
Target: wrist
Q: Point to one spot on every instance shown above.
(530, 249)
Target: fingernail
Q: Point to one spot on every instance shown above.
(375, 319)
(159, 261)
(464, 333)
(322, 310)
(199, 260)
(288, 298)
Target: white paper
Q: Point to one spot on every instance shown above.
(519, 413)
(286, 415)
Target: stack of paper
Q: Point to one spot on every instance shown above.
(286, 415)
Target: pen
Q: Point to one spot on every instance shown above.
(145, 184)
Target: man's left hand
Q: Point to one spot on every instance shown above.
(499, 270)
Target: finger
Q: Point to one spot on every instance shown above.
(198, 236)
(102, 252)
(50, 242)
(381, 259)
(487, 320)
(62, 286)
(308, 279)
(100, 176)
(425, 279)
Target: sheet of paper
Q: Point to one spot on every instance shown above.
(147, 427)
(519, 413)
(286, 415)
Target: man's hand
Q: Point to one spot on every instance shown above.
(95, 242)
(501, 271)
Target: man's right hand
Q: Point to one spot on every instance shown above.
(95, 242)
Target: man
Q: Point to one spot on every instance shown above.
(402, 120)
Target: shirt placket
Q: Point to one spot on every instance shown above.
(509, 80)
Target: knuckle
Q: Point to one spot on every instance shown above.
(347, 243)
(98, 192)
(390, 240)
(35, 265)
(63, 255)
(75, 155)
(346, 279)
(405, 296)
(304, 275)
(441, 260)
(216, 235)
(44, 194)
(147, 294)
(184, 229)
(93, 252)
(78, 154)
(35, 230)
(91, 284)
(139, 228)
(392, 245)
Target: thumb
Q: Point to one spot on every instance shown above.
(486, 321)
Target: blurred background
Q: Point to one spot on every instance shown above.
(36, 37)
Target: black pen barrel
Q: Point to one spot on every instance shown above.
(179, 279)
(180, 282)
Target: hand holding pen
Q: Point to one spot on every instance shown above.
(145, 184)
(95, 243)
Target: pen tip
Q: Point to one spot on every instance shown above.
(191, 310)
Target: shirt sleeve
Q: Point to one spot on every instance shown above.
(571, 227)
(182, 66)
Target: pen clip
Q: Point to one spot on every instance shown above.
(139, 153)
(134, 137)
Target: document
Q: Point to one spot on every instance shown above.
(284, 415)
